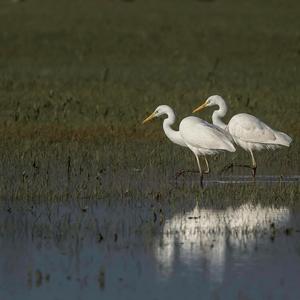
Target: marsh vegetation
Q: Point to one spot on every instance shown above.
(88, 199)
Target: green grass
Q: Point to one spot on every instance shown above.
(77, 78)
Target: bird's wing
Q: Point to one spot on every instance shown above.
(201, 134)
(251, 129)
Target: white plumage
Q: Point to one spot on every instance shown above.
(251, 133)
(201, 137)
(247, 131)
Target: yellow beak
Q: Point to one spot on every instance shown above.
(149, 118)
(200, 107)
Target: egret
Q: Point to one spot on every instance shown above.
(201, 137)
(247, 131)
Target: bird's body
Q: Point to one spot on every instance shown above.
(201, 137)
(246, 130)
(252, 134)
(204, 138)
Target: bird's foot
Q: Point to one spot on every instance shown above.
(231, 165)
(183, 172)
(226, 168)
(179, 173)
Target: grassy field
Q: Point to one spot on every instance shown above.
(89, 206)
(77, 78)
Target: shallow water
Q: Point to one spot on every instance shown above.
(266, 179)
(115, 251)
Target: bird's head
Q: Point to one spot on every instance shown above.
(159, 111)
(210, 101)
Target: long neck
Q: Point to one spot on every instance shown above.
(219, 114)
(172, 134)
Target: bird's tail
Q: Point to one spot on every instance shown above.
(229, 146)
(229, 139)
(283, 139)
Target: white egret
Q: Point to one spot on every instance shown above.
(201, 137)
(247, 131)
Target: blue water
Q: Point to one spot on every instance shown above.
(250, 252)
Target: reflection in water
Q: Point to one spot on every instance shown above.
(203, 237)
(196, 255)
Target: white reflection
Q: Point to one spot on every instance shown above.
(202, 237)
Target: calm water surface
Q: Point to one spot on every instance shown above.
(137, 252)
